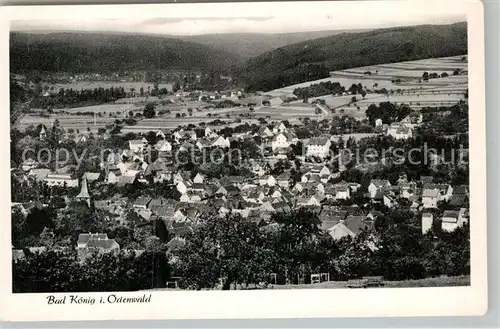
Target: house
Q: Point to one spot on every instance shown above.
(67, 180)
(39, 173)
(284, 180)
(265, 132)
(113, 176)
(451, 220)
(445, 191)
(376, 186)
(406, 190)
(181, 176)
(280, 141)
(29, 164)
(268, 180)
(163, 146)
(426, 179)
(221, 142)
(459, 201)
(126, 180)
(314, 200)
(159, 171)
(43, 132)
(389, 200)
(141, 202)
(88, 243)
(342, 192)
(92, 176)
(427, 219)
(318, 147)
(351, 226)
(413, 119)
(199, 178)
(399, 131)
(182, 187)
(162, 133)
(210, 133)
(378, 123)
(430, 197)
(137, 145)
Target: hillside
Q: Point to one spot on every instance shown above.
(104, 52)
(248, 45)
(313, 59)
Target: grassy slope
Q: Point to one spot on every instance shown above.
(313, 59)
(100, 52)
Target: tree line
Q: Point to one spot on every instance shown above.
(227, 252)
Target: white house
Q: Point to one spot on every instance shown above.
(427, 219)
(163, 146)
(265, 132)
(430, 197)
(267, 180)
(378, 123)
(319, 147)
(182, 187)
(138, 145)
(377, 185)
(280, 141)
(399, 131)
(221, 142)
(451, 221)
(199, 179)
(342, 192)
(61, 180)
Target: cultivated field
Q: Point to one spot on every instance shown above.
(82, 123)
(411, 87)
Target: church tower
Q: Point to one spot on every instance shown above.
(84, 192)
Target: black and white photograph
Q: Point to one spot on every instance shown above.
(244, 150)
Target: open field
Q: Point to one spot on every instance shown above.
(411, 90)
(428, 282)
(81, 123)
(103, 108)
(386, 72)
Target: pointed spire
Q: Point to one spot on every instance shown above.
(84, 192)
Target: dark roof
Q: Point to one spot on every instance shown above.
(458, 200)
(460, 190)
(451, 213)
(102, 244)
(426, 179)
(142, 201)
(356, 223)
(317, 141)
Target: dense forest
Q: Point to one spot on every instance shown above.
(106, 52)
(314, 59)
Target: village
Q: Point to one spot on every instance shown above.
(199, 183)
(281, 174)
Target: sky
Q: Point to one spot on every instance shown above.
(277, 17)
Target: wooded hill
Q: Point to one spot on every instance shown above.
(313, 59)
(107, 52)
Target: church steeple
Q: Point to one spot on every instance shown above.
(84, 192)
